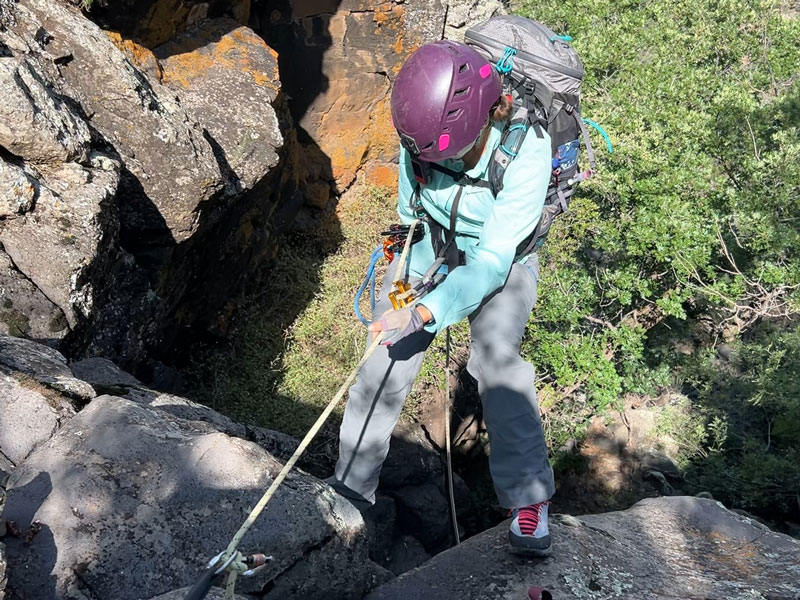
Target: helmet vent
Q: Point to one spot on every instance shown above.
(460, 92)
(454, 114)
(463, 68)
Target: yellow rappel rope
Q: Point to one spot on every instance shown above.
(232, 559)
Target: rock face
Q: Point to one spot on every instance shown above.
(145, 168)
(128, 497)
(677, 547)
(65, 245)
(136, 189)
(338, 59)
(30, 417)
(24, 310)
(351, 50)
(170, 168)
(222, 59)
(44, 365)
(35, 122)
(131, 498)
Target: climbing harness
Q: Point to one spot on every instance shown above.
(396, 237)
(231, 560)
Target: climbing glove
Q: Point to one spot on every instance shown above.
(397, 324)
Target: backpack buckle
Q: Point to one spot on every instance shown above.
(530, 87)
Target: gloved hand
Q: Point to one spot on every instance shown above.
(397, 324)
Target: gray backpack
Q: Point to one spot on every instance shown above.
(543, 75)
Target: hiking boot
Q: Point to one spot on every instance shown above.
(356, 499)
(528, 533)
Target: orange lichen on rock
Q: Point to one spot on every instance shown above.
(215, 47)
(140, 57)
(385, 142)
(381, 175)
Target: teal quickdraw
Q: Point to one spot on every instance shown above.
(506, 62)
(602, 132)
(563, 38)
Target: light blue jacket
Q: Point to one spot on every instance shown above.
(488, 229)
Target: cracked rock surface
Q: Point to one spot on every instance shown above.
(30, 416)
(43, 364)
(676, 547)
(132, 499)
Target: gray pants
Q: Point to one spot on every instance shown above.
(518, 457)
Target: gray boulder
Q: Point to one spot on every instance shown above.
(45, 365)
(102, 373)
(677, 547)
(36, 123)
(201, 417)
(172, 168)
(24, 310)
(64, 245)
(222, 59)
(199, 155)
(31, 415)
(133, 499)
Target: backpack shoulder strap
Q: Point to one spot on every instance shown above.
(510, 144)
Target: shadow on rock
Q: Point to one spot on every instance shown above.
(139, 498)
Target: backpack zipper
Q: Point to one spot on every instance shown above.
(542, 62)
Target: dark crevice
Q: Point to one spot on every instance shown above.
(5, 457)
(270, 585)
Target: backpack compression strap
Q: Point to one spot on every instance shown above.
(460, 177)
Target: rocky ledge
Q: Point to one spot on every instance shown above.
(127, 497)
(670, 547)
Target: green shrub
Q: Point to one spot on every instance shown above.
(697, 211)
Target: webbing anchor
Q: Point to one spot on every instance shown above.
(236, 564)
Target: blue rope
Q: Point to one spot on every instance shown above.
(506, 62)
(563, 38)
(602, 132)
(369, 280)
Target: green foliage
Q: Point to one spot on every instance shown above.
(697, 212)
(751, 405)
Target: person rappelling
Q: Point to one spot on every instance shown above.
(490, 133)
(451, 112)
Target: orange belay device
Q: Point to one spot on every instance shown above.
(402, 295)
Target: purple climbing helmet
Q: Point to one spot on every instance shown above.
(442, 98)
